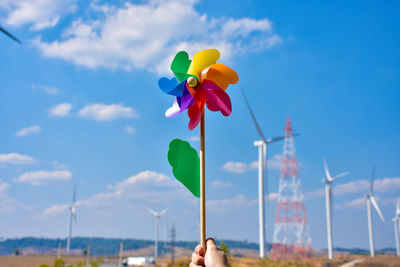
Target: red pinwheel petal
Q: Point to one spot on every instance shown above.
(195, 112)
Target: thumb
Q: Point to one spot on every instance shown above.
(210, 243)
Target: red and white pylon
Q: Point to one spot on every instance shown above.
(292, 237)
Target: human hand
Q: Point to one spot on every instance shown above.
(214, 257)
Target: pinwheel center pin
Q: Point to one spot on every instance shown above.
(192, 82)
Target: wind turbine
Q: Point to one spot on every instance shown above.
(9, 35)
(396, 222)
(328, 202)
(72, 218)
(157, 215)
(262, 164)
(371, 199)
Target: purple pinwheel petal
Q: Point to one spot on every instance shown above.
(171, 86)
(180, 104)
(186, 100)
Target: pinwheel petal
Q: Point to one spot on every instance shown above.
(174, 110)
(180, 65)
(218, 100)
(186, 100)
(220, 74)
(171, 86)
(195, 112)
(180, 104)
(202, 60)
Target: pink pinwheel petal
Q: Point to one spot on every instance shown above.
(209, 85)
(218, 100)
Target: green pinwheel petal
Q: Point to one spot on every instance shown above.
(185, 165)
(180, 65)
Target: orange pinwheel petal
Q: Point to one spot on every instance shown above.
(220, 74)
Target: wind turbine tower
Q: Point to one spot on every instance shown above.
(157, 215)
(262, 164)
(72, 219)
(328, 201)
(396, 222)
(371, 199)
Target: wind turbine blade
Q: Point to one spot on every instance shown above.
(371, 187)
(253, 117)
(340, 175)
(375, 204)
(163, 212)
(74, 195)
(152, 212)
(327, 173)
(275, 139)
(9, 35)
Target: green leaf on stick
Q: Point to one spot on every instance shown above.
(185, 164)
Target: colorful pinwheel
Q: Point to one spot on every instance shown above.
(198, 82)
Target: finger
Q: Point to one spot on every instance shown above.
(194, 265)
(197, 259)
(199, 250)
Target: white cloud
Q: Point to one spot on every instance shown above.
(148, 186)
(147, 35)
(145, 177)
(102, 112)
(130, 130)
(241, 167)
(220, 185)
(29, 130)
(224, 205)
(43, 177)
(235, 167)
(359, 202)
(360, 186)
(39, 13)
(61, 110)
(194, 138)
(273, 196)
(55, 209)
(16, 159)
(3, 188)
(51, 90)
(7, 203)
(362, 203)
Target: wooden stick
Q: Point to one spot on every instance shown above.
(202, 185)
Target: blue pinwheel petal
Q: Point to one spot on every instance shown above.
(171, 86)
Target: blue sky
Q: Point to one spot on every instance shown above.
(80, 106)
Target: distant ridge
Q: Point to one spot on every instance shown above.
(110, 246)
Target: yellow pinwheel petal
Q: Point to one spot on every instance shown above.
(202, 60)
(220, 74)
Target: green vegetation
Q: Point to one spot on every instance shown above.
(59, 263)
(224, 247)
